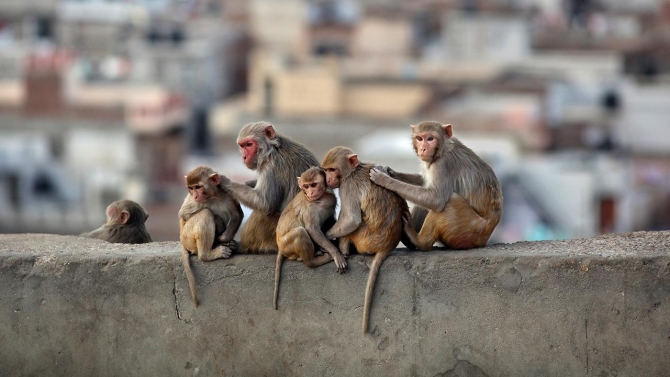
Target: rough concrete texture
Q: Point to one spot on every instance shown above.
(593, 307)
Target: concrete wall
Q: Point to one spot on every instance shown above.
(592, 307)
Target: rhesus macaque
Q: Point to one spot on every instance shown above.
(371, 217)
(300, 226)
(208, 221)
(278, 160)
(124, 224)
(459, 190)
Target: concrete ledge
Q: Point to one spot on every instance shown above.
(71, 306)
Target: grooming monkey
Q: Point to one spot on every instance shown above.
(124, 224)
(300, 226)
(278, 160)
(459, 190)
(371, 217)
(208, 221)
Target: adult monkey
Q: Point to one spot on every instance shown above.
(124, 224)
(459, 189)
(278, 160)
(371, 217)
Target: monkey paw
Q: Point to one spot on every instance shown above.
(224, 251)
(340, 263)
(232, 244)
(377, 176)
(224, 180)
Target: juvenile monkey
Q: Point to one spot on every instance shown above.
(459, 190)
(300, 226)
(370, 216)
(124, 224)
(278, 160)
(208, 221)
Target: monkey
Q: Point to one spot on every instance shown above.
(458, 193)
(124, 224)
(371, 217)
(208, 221)
(278, 161)
(300, 226)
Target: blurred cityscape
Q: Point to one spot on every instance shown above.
(568, 100)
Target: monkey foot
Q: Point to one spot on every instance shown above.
(319, 252)
(340, 263)
(224, 251)
(232, 245)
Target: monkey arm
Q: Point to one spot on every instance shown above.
(321, 240)
(251, 183)
(349, 219)
(412, 179)
(236, 217)
(422, 196)
(265, 201)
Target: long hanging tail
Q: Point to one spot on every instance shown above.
(280, 259)
(369, 289)
(189, 275)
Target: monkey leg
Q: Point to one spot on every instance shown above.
(458, 226)
(259, 234)
(298, 243)
(418, 217)
(198, 234)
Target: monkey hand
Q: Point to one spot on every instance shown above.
(340, 262)
(386, 170)
(230, 244)
(379, 177)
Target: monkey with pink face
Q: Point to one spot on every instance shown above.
(278, 161)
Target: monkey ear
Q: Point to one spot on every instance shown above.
(186, 178)
(270, 132)
(447, 130)
(353, 160)
(124, 217)
(412, 127)
(215, 179)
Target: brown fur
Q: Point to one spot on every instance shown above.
(206, 228)
(300, 226)
(459, 190)
(278, 160)
(124, 224)
(370, 216)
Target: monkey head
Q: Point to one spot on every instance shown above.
(338, 164)
(125, 212)
(255, 141)
(313, 183)
(201, 183)
(428, 139)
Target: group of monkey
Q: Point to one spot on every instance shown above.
(457, 202)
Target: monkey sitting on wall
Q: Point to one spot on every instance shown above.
(208, 221)
(124, 224)
(300, 226)
(371, 217)
(278, 160)
(459, 190)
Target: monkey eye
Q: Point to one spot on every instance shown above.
(313, 184)
(419, 138)
(305, 186)
(430, 138)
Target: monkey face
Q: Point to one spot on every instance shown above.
(332, 177)
(426, 145)
(198, 192)
(249, 149)
(313, 190)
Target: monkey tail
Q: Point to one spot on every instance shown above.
(369, 289)
(189, 275)
(280, 259)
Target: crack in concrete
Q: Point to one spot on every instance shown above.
(176, 300)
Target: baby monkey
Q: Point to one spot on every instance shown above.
(208, 221)
(300, 226)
